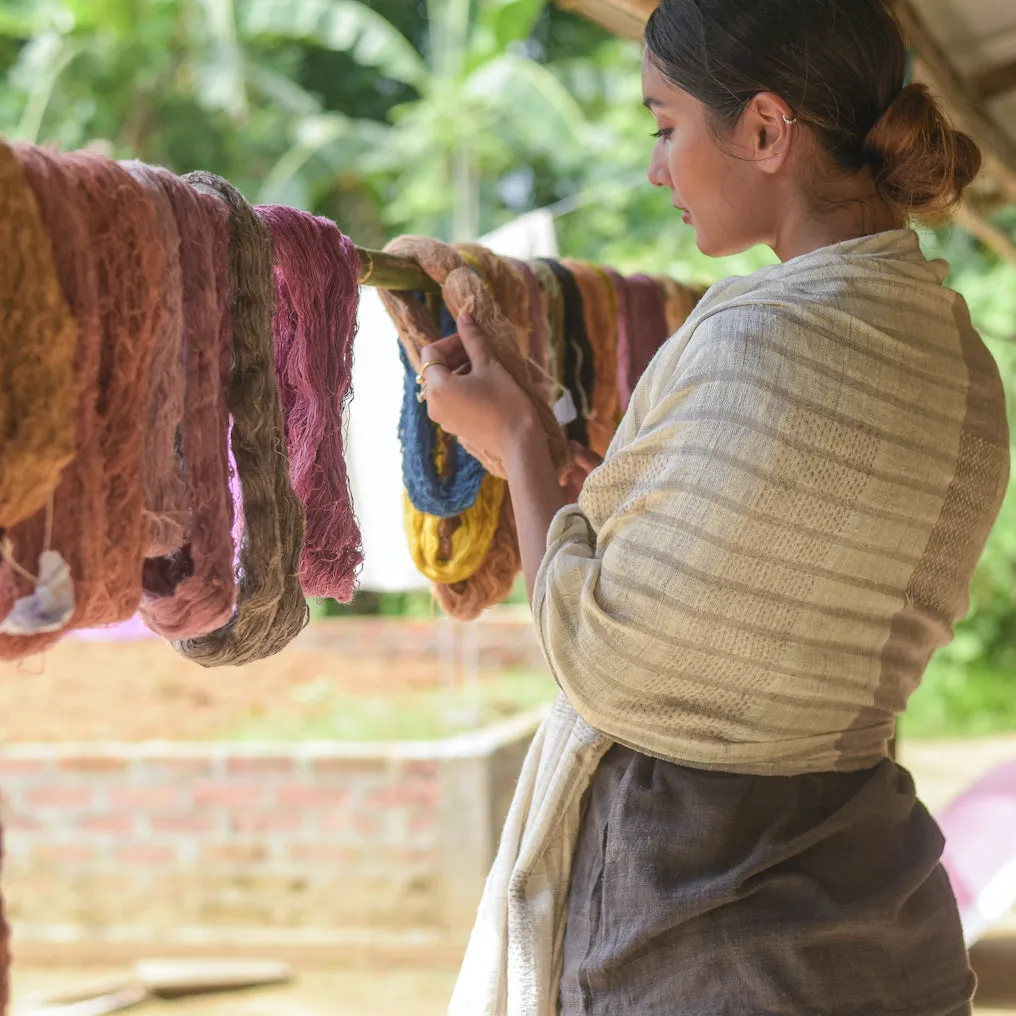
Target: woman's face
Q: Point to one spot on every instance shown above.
(717, 188)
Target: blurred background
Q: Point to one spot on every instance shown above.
(342, 800)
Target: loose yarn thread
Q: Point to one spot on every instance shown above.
(538, 329)
(76, 527)
(316, 296)
(464, 291)
(554, 299)
(579, 369)
(191, 591)
(38, 343)
(163, 481)
(124, 229)
(271, 609)
(601, 329)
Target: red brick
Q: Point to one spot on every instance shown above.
(147, 853)
(181, 824)
(140, 798)
(228, 795)
(24, 767)
(93, 763)
(303, 796)
(58, 854)
(352, 766)
(311, 853)
(420, 767)
(266, 821)
(175, 767)
(423, 822)
(260, 764)
(20, 822)
(108, 822)
(234, 853)
(59, 797)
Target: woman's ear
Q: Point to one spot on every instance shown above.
(768, 128)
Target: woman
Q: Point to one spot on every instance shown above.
(751, 585)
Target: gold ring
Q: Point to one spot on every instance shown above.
(423, 369)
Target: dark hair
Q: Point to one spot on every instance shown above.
(840, 66)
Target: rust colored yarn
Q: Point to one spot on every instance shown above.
(316, 295)
(539, 326)
(642, 329)
(495, 579)
(271, 610)
(163, 482)
(508, 287)
(38, 342)
(464, 291)
(554, 303)
(601, 327)
(192, 590)
(79, 502)
(5, 946)
(130, 263)
(678, 301)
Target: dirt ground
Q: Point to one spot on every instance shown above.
(143, 690)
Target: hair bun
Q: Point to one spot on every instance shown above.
(920, 161)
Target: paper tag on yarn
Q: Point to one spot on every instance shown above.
(564, 409)
(49, 606)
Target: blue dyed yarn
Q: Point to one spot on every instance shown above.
(429, 492)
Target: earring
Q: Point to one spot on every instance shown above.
(788, 122)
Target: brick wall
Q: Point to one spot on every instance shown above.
(168, 836)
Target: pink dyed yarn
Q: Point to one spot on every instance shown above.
(316, 293)
(641, 328)
(191, 591)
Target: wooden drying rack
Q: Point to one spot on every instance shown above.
(390, 271)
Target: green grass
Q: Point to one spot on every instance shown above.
(961, 701)
(319, 712)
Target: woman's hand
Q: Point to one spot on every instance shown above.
(470, 395)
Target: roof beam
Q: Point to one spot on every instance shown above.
(991, 82)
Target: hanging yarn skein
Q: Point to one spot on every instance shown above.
(538, 330)
(443, 493)
(316, 296)
(191, 591)
(38, 346)
(553, 299)
(271, 609)
(77, 527)
(601, 328)
(464, 291)
(641, 331)
(164, 485)
(494, 579)
(130, 264)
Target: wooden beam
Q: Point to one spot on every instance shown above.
(936, 69)
(992, 82)
(624, 18)
(990, 235)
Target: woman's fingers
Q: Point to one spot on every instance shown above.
(586, 458)
(448, 351)
(473, 340)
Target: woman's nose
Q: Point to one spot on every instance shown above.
(659, 174)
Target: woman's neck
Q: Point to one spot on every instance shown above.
(853, 209)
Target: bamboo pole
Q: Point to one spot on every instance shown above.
(389, 271)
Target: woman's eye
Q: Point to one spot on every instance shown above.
(663, 132)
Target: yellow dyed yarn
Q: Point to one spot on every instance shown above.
(470, 543)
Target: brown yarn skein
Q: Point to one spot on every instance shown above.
(38, 343)
(271, 609)
(165, 489)
(192, 591)
(463, 291)
(79, 501)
